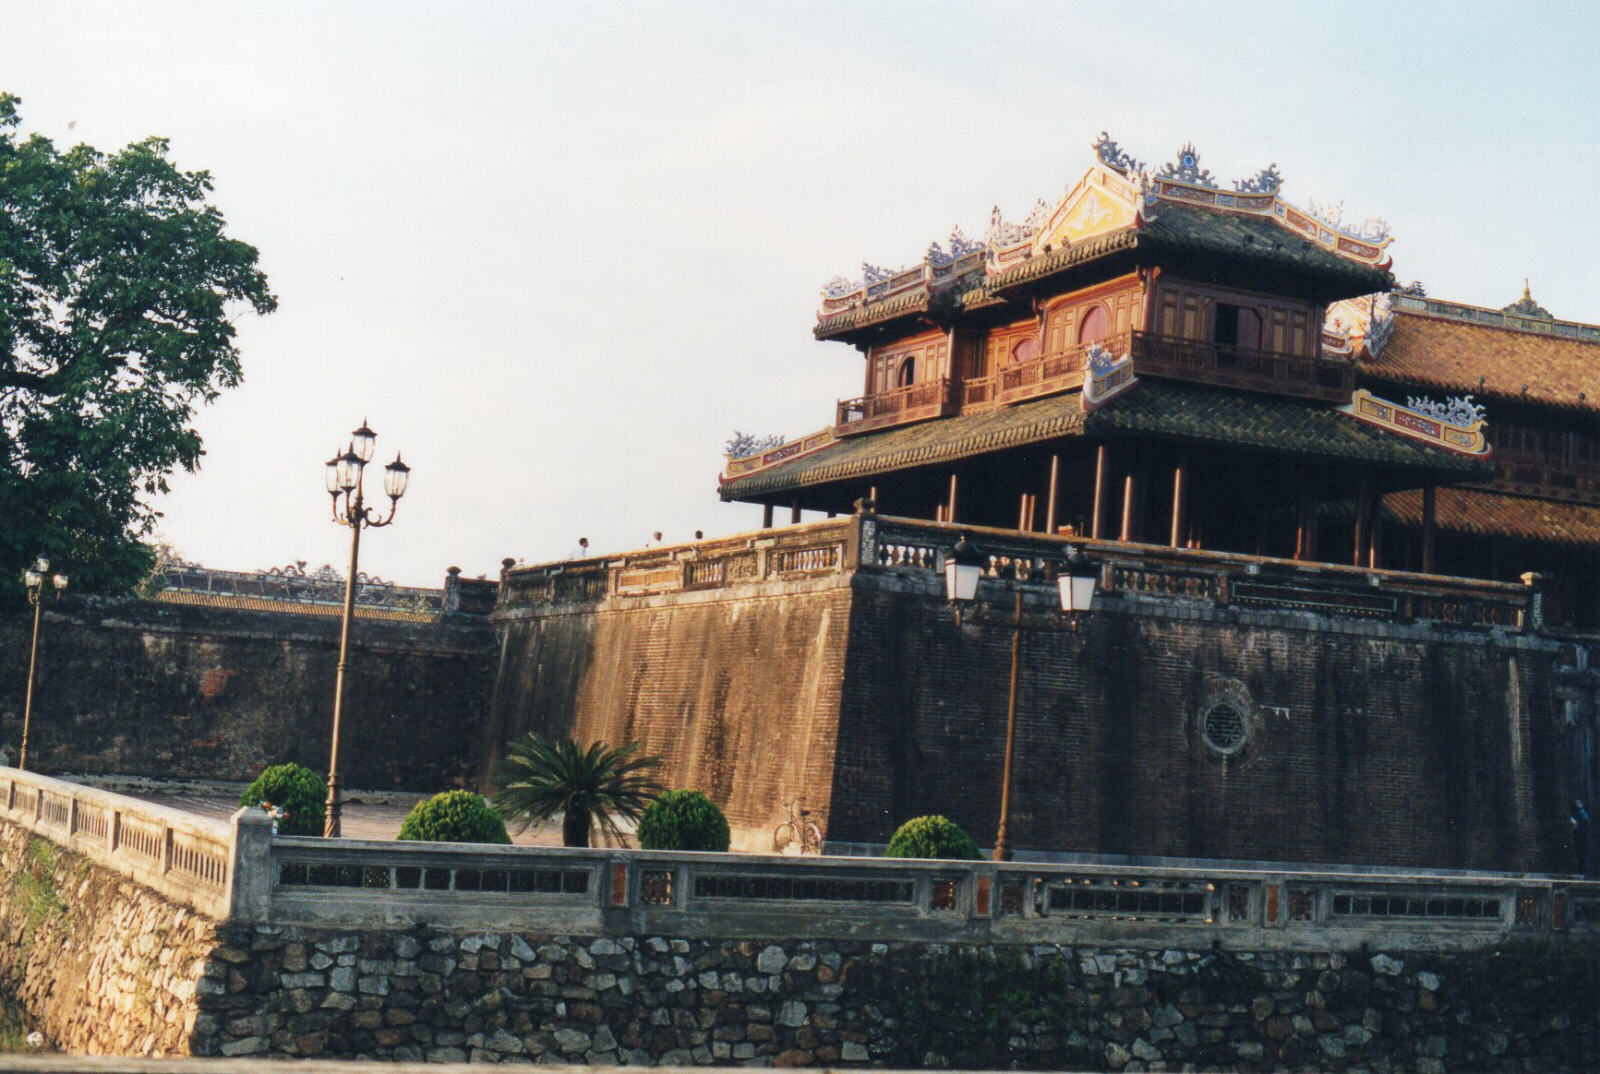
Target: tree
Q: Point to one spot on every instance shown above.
(587, 786)
(454, 817)
(683, 820)
(932, 836)
(117, 281)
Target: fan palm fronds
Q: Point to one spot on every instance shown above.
(586, 785)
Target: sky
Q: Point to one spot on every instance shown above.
(557, 253)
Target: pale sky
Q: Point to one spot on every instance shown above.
(557, 253)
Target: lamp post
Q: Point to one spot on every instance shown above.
(33, 581)
(344, 481)
(1076, 587)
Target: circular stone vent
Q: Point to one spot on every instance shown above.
(1224, 728)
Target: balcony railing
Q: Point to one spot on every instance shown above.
(1331, 380)
(1050, 374)
(900, 406)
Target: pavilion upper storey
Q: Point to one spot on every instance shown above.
(1224, 287)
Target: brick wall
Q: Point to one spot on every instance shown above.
(184, 691)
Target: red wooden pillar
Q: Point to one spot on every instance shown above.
(1375, 532)
(1359, 535)
(1130, 492)
(950, 505)
(1050, 501)
(1429, 507)
(794, 512)
(1180, 475)
(766, 516)
(1096, 525)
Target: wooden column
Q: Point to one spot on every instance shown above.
(1375, 532)
(1130, 490)
(1429, 506)
(1095, 526)
(1050, 501)
(1302, 525)
(1358, 539)
(1025, 510)
(766, 516)
(794, 512)
(950, 505)
(1180, 474)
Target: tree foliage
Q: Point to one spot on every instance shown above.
(932, 837)
(454, 817)
(585, 785)
(117, 283)
(683, 820)
(296, 790)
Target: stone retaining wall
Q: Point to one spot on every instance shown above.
(106, 966)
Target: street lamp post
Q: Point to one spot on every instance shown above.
(1075, 584)
(344, 483)
(33, 580)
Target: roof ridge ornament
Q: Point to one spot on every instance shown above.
(1114, 156)
(1188, 169)
(1266, 181)
(1526, 306)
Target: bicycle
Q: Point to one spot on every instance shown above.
(797, 829)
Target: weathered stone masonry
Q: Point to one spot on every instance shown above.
(108, 967)
(136, 687)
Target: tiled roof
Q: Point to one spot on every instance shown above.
(1494, 514)
(1163, 409)
(1452, 355)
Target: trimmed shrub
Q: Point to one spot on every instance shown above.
(683, 820)
(296, 790)
(932, 837)
(454, 817)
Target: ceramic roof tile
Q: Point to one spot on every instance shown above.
(1453, 355)
(1493, 514)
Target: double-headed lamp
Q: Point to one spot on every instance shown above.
(963, 566)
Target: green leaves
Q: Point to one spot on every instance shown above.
(117, 285)
(586, 785)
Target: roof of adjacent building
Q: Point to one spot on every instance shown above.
(1506, 353)
(1164, 409)
(1480, 513)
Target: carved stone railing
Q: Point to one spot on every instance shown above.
(792, 553)
(189, 859)
(1331, 380)
(622, 892)
(1133, 572)
(898, 406)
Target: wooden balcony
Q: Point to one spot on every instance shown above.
(901, 406)
(1239, 367)
(1049, 375)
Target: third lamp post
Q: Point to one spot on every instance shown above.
(963, 566)
(33, 580)
(344, 479)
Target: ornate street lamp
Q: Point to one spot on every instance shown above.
(344, 482)
(33, 579)
(1076, 581)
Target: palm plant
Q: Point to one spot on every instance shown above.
(587, 786)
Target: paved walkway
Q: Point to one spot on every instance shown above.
(366, 815)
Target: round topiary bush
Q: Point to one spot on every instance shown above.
(296, 790)
(454, 817)
(932, 837)
(683, 820)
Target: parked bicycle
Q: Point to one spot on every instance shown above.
(798, 834)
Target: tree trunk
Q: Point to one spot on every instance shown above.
(575, 829)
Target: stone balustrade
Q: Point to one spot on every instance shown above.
(187, 859)
(1130, 572)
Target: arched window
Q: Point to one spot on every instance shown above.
(1096, 325)
(1026, 350)
(908, 373)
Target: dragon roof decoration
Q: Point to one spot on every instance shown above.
(1119, 192)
